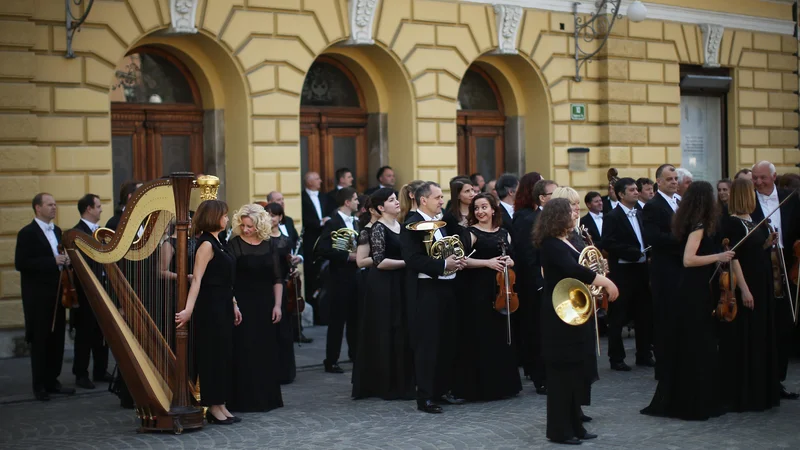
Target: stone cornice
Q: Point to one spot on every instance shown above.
(666, 13)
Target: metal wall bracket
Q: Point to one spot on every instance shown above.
(592, 28)
(74, 22)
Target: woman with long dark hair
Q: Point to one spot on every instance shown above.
(689, 388)
(461, 194)
(285, 329)
(568, 366)
(384, 365)
(211, 293)
(488, 368)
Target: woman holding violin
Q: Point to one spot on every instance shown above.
(747, 340)
(487, 367)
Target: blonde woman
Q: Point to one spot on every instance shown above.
(259, 290)
(575, 204)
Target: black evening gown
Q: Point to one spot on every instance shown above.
(490, 372)
(564, 347)
(255, 353)
(384, 364)
(689, 388)
(285, 329)
(213, 325)
(748, 345)
(592, 374)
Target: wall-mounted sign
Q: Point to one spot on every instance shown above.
(577, 111)
(578, 159)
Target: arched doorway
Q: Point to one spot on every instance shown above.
(156, 118)
(481, 125)
(333, 124)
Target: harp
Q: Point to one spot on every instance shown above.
(135, 305)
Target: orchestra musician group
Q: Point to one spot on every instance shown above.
(422, 292)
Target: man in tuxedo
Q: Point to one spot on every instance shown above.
(37, 260)
(288, 229)
(684, 180)
(344, 178)
(315, 206)
(506, 188)
(489, 188)
(385, 178)
(666, 260)
(593, 220)
(647, 190)
(610, 201)
(786, 221)
(431, 304)
(624, 242)
(88, 335)
(342, 286)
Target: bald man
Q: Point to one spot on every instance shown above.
(315, 204)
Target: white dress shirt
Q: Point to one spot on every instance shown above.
(632, 213)
(314, 196)
(641, 204)
(673, 201)
(768, 204)
(92, 226)
(598, 221)
(49, 233)
(508, 208)
(437, 236)
(613, 203)
(348, 220)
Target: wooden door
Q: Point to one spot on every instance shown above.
(481, 126)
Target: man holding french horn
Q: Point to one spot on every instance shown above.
(433, 254)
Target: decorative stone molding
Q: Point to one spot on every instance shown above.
(508, 20)
(362, 17)
(712, 37)
(182, 15)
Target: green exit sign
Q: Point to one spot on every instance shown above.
(578, 111)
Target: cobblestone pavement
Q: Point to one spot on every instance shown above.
(320, 414)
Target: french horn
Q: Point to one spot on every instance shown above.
(572, 301)
(592, 258)
(345, 239)
(441, 249)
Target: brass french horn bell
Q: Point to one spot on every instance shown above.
(443, 248)
(572, 301)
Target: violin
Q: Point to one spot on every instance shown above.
(726, 306)
(507, 301)
(69, 297)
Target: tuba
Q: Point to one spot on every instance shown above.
(443, 248)
(344, 239)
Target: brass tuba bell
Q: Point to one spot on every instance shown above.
(572, 301)
(443, 248)
(344, 239)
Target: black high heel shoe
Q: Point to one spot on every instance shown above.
(213, 420)
(235, 419)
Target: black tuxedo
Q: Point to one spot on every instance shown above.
(529, 284)
(790, 230)
(588, 222)
(293, 235)
(342, 292)
(41, 299)
(313, 229)
(507, 220)
(632, 279)
(88, 335)
(431, 313)
(113, 222)
(666, 271)
(607, 204)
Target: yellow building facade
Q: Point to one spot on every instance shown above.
(249, 60)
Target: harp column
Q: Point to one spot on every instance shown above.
(182, 188)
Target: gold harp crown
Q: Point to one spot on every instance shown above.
(572, 301)
(443, 248)
(209, 185)
(344, 239)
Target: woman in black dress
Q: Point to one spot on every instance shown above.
(564, 346)
(259, 290)
(689, 388)
(747, 346)
(490, 371)
(211, 293)
(384, 365)
(285, 330)
(461, 195)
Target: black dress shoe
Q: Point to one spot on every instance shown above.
(786, 395)
(570, 441)
(60, 390)
(42, 396)
(451, 399)
(333, 368)
(541, 390)
(303, 339)
(213, 420)
(646, 362)
(585, 418)
(429, 407)
(620, 366)
(588, 436)
(84, 382)
(105, 378)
